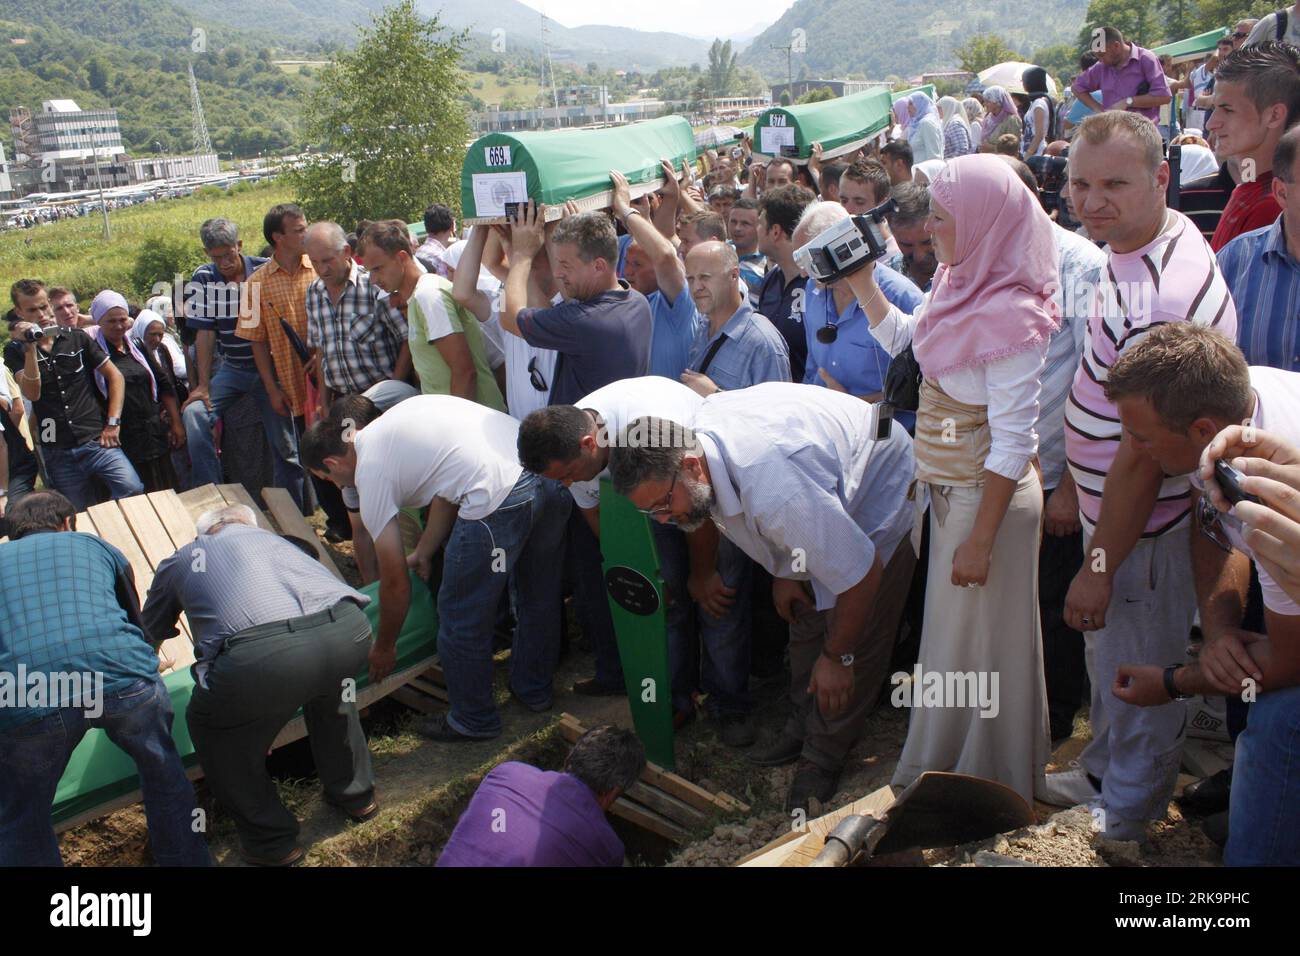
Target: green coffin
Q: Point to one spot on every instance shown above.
(99, 772)
(841, 125)
(1193, 47)
(556, 165)
(928, 89)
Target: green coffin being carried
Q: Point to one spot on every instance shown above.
(556, 165)
(841, 125)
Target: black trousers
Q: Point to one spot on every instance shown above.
(1059, 560)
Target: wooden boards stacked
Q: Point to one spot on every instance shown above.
(662, 802)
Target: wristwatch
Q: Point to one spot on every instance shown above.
(845, 659)
(1171, 688)
(112, 421)
(1128, 102)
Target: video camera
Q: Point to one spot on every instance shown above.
(845, 247)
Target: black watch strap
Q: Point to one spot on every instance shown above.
(1171, 688)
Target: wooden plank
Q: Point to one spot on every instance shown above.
(86, 523)
(415, 700)
(154, 541)
(175, 519)
(237, 494)
(201, 499)
(647, 819)
(112, 527)
(666, 805)
(431, 689)
(291, 521)
(800, 847)
(296, 729)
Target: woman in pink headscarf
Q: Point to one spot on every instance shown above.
(1000, 118)
(980, 337)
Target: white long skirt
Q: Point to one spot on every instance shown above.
(982, 697)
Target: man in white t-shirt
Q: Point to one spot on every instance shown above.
(497, 524)
(571, 443)
(1176, 391)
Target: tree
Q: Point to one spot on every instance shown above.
(818, 95)
(1059, 61)
(97, 74)
(983, 51)
(1136, 19)
(390, 114)
(722, 67)
(1211, 14)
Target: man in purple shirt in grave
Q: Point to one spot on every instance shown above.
(523, 816)
(1128, 76)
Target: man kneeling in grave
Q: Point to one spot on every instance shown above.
(795, 476)
(499, 525)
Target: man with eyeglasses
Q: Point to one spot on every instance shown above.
(795, 477)
(571, 444)
(1175, 392)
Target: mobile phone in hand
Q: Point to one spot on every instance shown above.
(1229, 480)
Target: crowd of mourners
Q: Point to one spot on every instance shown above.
(1042, 452)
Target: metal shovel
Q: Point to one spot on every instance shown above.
(937, 809)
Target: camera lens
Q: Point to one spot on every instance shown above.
(827, 334)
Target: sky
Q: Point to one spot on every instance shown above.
(690, 17)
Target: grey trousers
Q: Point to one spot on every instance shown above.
(255, 686)
(1135, 751)
(827, 740)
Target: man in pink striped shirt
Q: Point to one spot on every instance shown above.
(1134, 597)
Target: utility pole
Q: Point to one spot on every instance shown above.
(99, 177)
(789, 68)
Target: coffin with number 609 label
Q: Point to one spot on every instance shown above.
(841, 125)
(553, 166)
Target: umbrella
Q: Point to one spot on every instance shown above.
(716, 136)
(1007, 76)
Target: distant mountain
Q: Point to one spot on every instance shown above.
(880, 38)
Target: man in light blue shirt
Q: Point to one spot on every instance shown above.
(737, 347)
(793, 475)
(653, 268)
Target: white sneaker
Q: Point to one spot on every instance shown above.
(1068, 788)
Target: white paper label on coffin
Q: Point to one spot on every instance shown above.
(773, 138)
(493, 190)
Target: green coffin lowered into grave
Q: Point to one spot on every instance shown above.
(99, 771)
(841, 125)
(552, 166)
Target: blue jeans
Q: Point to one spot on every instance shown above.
(228, 385)
(70, 470)
(723, 674)
(518, 546)
(138, 719)
(591, 604)
(1262, 819)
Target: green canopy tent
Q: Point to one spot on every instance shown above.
(1193, 48)
(101, 777)
(556, 165)
(841, 125)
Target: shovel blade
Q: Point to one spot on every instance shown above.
(945, 809)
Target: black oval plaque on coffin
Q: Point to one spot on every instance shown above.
(632, 590)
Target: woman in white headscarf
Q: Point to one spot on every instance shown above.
(1197, 162)
(925, 132)
(957, 139)
(974, 114)
(159, 308)
(924, 173)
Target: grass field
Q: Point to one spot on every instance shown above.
(496, 90)
(73, 253)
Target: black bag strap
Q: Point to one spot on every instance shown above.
(1283, 17)
(713, 350)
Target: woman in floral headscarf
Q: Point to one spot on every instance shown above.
(1000, 118)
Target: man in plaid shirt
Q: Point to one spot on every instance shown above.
(358, 339)
(278, 296)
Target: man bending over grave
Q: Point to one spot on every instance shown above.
(499, 525)
(795, 477)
